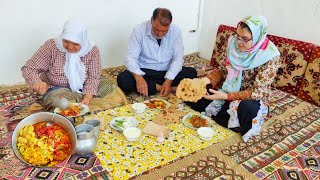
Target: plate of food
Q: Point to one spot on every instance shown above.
(123, 122)
(159, 104)
(195, 121)
(74, 110)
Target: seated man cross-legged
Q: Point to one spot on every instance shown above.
(154, 59)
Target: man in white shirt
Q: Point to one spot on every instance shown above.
(154, 59)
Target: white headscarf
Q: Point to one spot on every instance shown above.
(74, 69)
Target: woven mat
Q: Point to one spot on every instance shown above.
(289, 149)
(125, 159)
(13, 100)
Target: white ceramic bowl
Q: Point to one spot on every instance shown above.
(205, 133)
(132, 133)
(139, 107)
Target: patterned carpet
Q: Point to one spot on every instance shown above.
(287, 148)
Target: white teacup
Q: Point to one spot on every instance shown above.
(139, 107)
(205, 133)
(132, 133)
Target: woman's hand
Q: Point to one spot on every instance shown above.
(86, 99)
(40, 87)
(217, 95)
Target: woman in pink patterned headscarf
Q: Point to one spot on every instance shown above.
(252, 62)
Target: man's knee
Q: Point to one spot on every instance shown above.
(119, 77)
(190, 72)
(193, 73)
(152, 91)
(122, 80)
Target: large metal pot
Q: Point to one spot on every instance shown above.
(40, 117)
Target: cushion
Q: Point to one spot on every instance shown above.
(294, 59)
(219, 52)
(310, 88)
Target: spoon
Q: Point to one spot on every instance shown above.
(50, 122)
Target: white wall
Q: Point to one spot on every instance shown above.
(295, 19)
(26, 25)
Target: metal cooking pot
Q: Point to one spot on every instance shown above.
(40, 117)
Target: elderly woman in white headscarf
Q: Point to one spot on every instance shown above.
(66, 66)
(252, 63)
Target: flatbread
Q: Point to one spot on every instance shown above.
(191, 89)
(169, 116)
(154, 129)
(172, 99)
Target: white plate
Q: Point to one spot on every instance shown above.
(185, 120)
(83, 111)
(166, 103)
(121, 128)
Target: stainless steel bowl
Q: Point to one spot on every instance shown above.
(40, 117)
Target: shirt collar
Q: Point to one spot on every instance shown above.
(149, 29)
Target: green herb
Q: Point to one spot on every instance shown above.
(119, 123)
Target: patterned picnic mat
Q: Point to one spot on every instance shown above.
(124, 159)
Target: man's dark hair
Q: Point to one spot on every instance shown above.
(244, 25)
(164, 15)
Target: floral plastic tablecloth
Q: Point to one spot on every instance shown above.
(124, 159)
